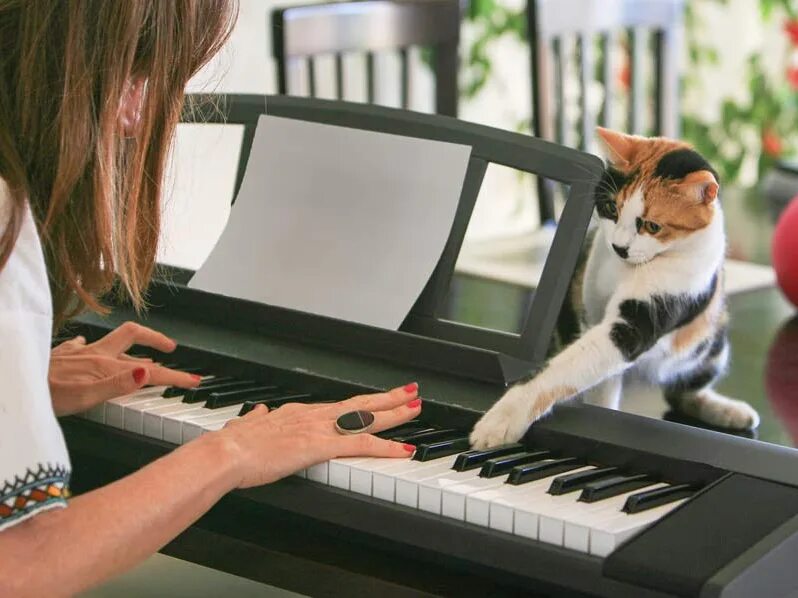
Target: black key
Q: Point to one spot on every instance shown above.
(233, 397)
(576, 481)
(441, 448)
(411, 427)
(176, 391)
(275, 402)
(474, 459)
(649, 499)
(200, 394)
(614, 486)
(543, 469)
(424, 437)
(494, 468)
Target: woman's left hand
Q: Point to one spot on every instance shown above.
(83, 374)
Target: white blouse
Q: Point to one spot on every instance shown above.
(34, 464)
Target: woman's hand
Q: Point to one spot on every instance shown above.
(83, 375)
(266, 446)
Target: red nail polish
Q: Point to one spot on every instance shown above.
(414, 403)
(412, 387)
(409, 448)
(138, 375)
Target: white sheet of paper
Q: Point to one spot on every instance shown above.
(336, 221)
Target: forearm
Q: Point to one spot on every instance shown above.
(107, 531)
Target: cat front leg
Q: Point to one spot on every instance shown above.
(591, 359)
(606, 394)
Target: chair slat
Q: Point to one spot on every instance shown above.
(559, 89)
(339, 76)
(405, 77)
(609, 41)
(370, 85)
(586, 66)
(637, 104)
(311, 62)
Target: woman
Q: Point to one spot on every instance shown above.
(90, 93)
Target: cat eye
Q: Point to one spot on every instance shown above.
(609, 209)
(652, 227)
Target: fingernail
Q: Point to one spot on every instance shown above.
(409, 448)
(138, 375)
(196, 377)
(414, 403)
(412, 387)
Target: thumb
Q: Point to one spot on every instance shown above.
(121, 383)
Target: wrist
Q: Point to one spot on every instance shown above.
(221, 452)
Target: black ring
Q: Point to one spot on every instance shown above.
(354, 422)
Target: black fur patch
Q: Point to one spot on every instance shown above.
(693, 382)
(643, 323)
(679, 163)
(718, 343)
(611, 182)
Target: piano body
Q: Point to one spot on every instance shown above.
(591, 503)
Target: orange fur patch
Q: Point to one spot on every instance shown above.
(704, 325)
(546, 399)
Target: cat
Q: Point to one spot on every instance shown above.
(651, 294)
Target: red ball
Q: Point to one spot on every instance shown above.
(785, 251)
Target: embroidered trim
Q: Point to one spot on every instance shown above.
(45, 487)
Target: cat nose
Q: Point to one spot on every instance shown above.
(621, 251)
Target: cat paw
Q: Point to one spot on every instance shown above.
(507, 421)
(726, 413)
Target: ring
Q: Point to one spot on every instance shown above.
(354, 422)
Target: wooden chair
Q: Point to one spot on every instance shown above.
(304, 33)
(599, 24)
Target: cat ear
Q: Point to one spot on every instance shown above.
(619, 148)
(701, 185)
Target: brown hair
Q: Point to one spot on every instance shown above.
(64, 68)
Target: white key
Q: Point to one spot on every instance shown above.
(173, 424)
(196, 428)
(497, 505)
(114, 408)
(338, 471)
(555, 516)
(407, 484)
(383, 482)
(153, 418)
(613, 533)
(453, 498)
(430, 490)
(576, 532)
(133, 414)
(360, 474)
(96, 413)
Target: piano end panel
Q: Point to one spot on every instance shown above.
(717, 543)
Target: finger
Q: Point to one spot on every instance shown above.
(127, 357)
(168, 377)
(72, 344)
(122, 383)
(382, 401)
(131, 333)
(385, 420)
(366, 445)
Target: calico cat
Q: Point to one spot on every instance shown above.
(652, 295)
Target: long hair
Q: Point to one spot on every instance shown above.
(64, 68)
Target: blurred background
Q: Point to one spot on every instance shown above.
(735, 63)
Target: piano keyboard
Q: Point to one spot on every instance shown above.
(526, 491)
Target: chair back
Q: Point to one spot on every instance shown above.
(597, 43)
(301, 35)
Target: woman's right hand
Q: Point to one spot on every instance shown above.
(268, 445)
